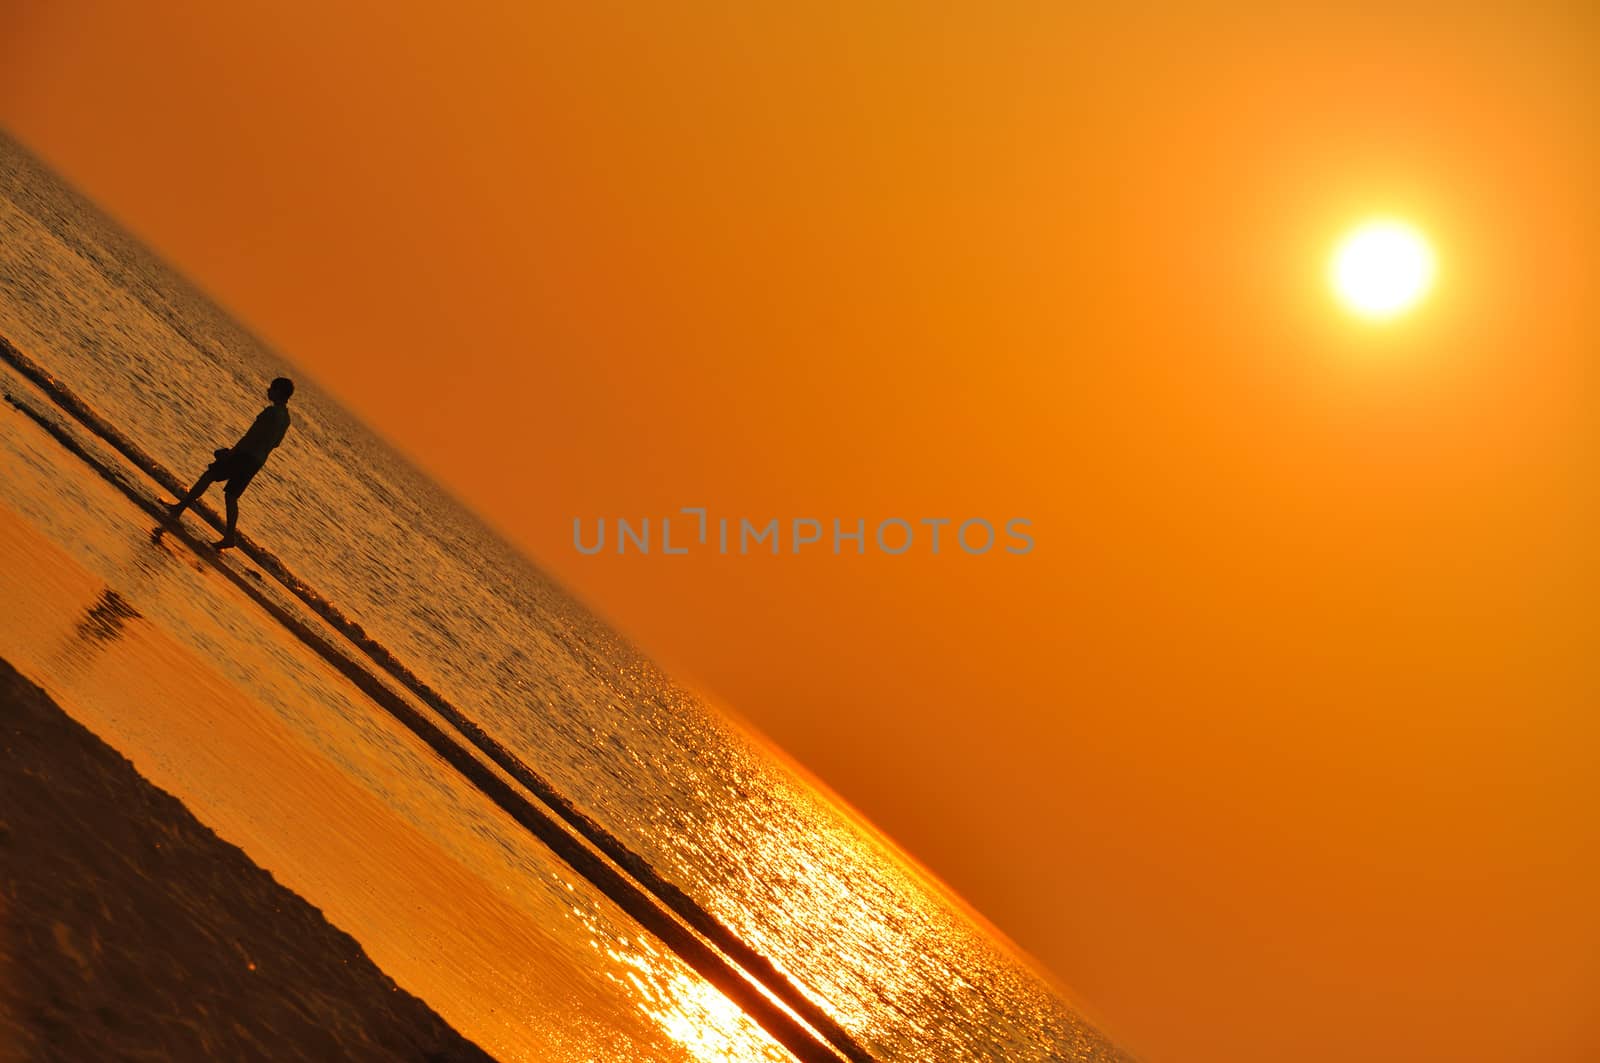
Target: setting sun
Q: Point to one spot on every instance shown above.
(1382, 268)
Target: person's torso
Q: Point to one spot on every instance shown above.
(266, 433)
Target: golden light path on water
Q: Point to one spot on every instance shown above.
(690, 1010)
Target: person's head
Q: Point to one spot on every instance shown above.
(281, 389)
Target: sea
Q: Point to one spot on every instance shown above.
(518, 815)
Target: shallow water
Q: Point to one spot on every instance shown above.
(153, 647)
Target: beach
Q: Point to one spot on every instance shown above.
(129, 930)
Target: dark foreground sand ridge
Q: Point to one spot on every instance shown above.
(128, 930)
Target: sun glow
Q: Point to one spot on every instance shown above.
(1382, 268)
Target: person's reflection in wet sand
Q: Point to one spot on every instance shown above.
(106, 618)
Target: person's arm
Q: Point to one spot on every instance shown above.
(264, 434)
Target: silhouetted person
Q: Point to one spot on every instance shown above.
(237, 465)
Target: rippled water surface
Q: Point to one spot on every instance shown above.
(184, 671)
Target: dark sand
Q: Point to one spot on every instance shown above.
(128, 930)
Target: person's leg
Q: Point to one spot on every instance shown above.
(207, 478)
(231, 498)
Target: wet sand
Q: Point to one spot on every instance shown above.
(128, 930)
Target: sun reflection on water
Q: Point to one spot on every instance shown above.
(688, 1009)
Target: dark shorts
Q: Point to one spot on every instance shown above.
(236, 468)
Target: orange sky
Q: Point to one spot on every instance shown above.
(1280, 745)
